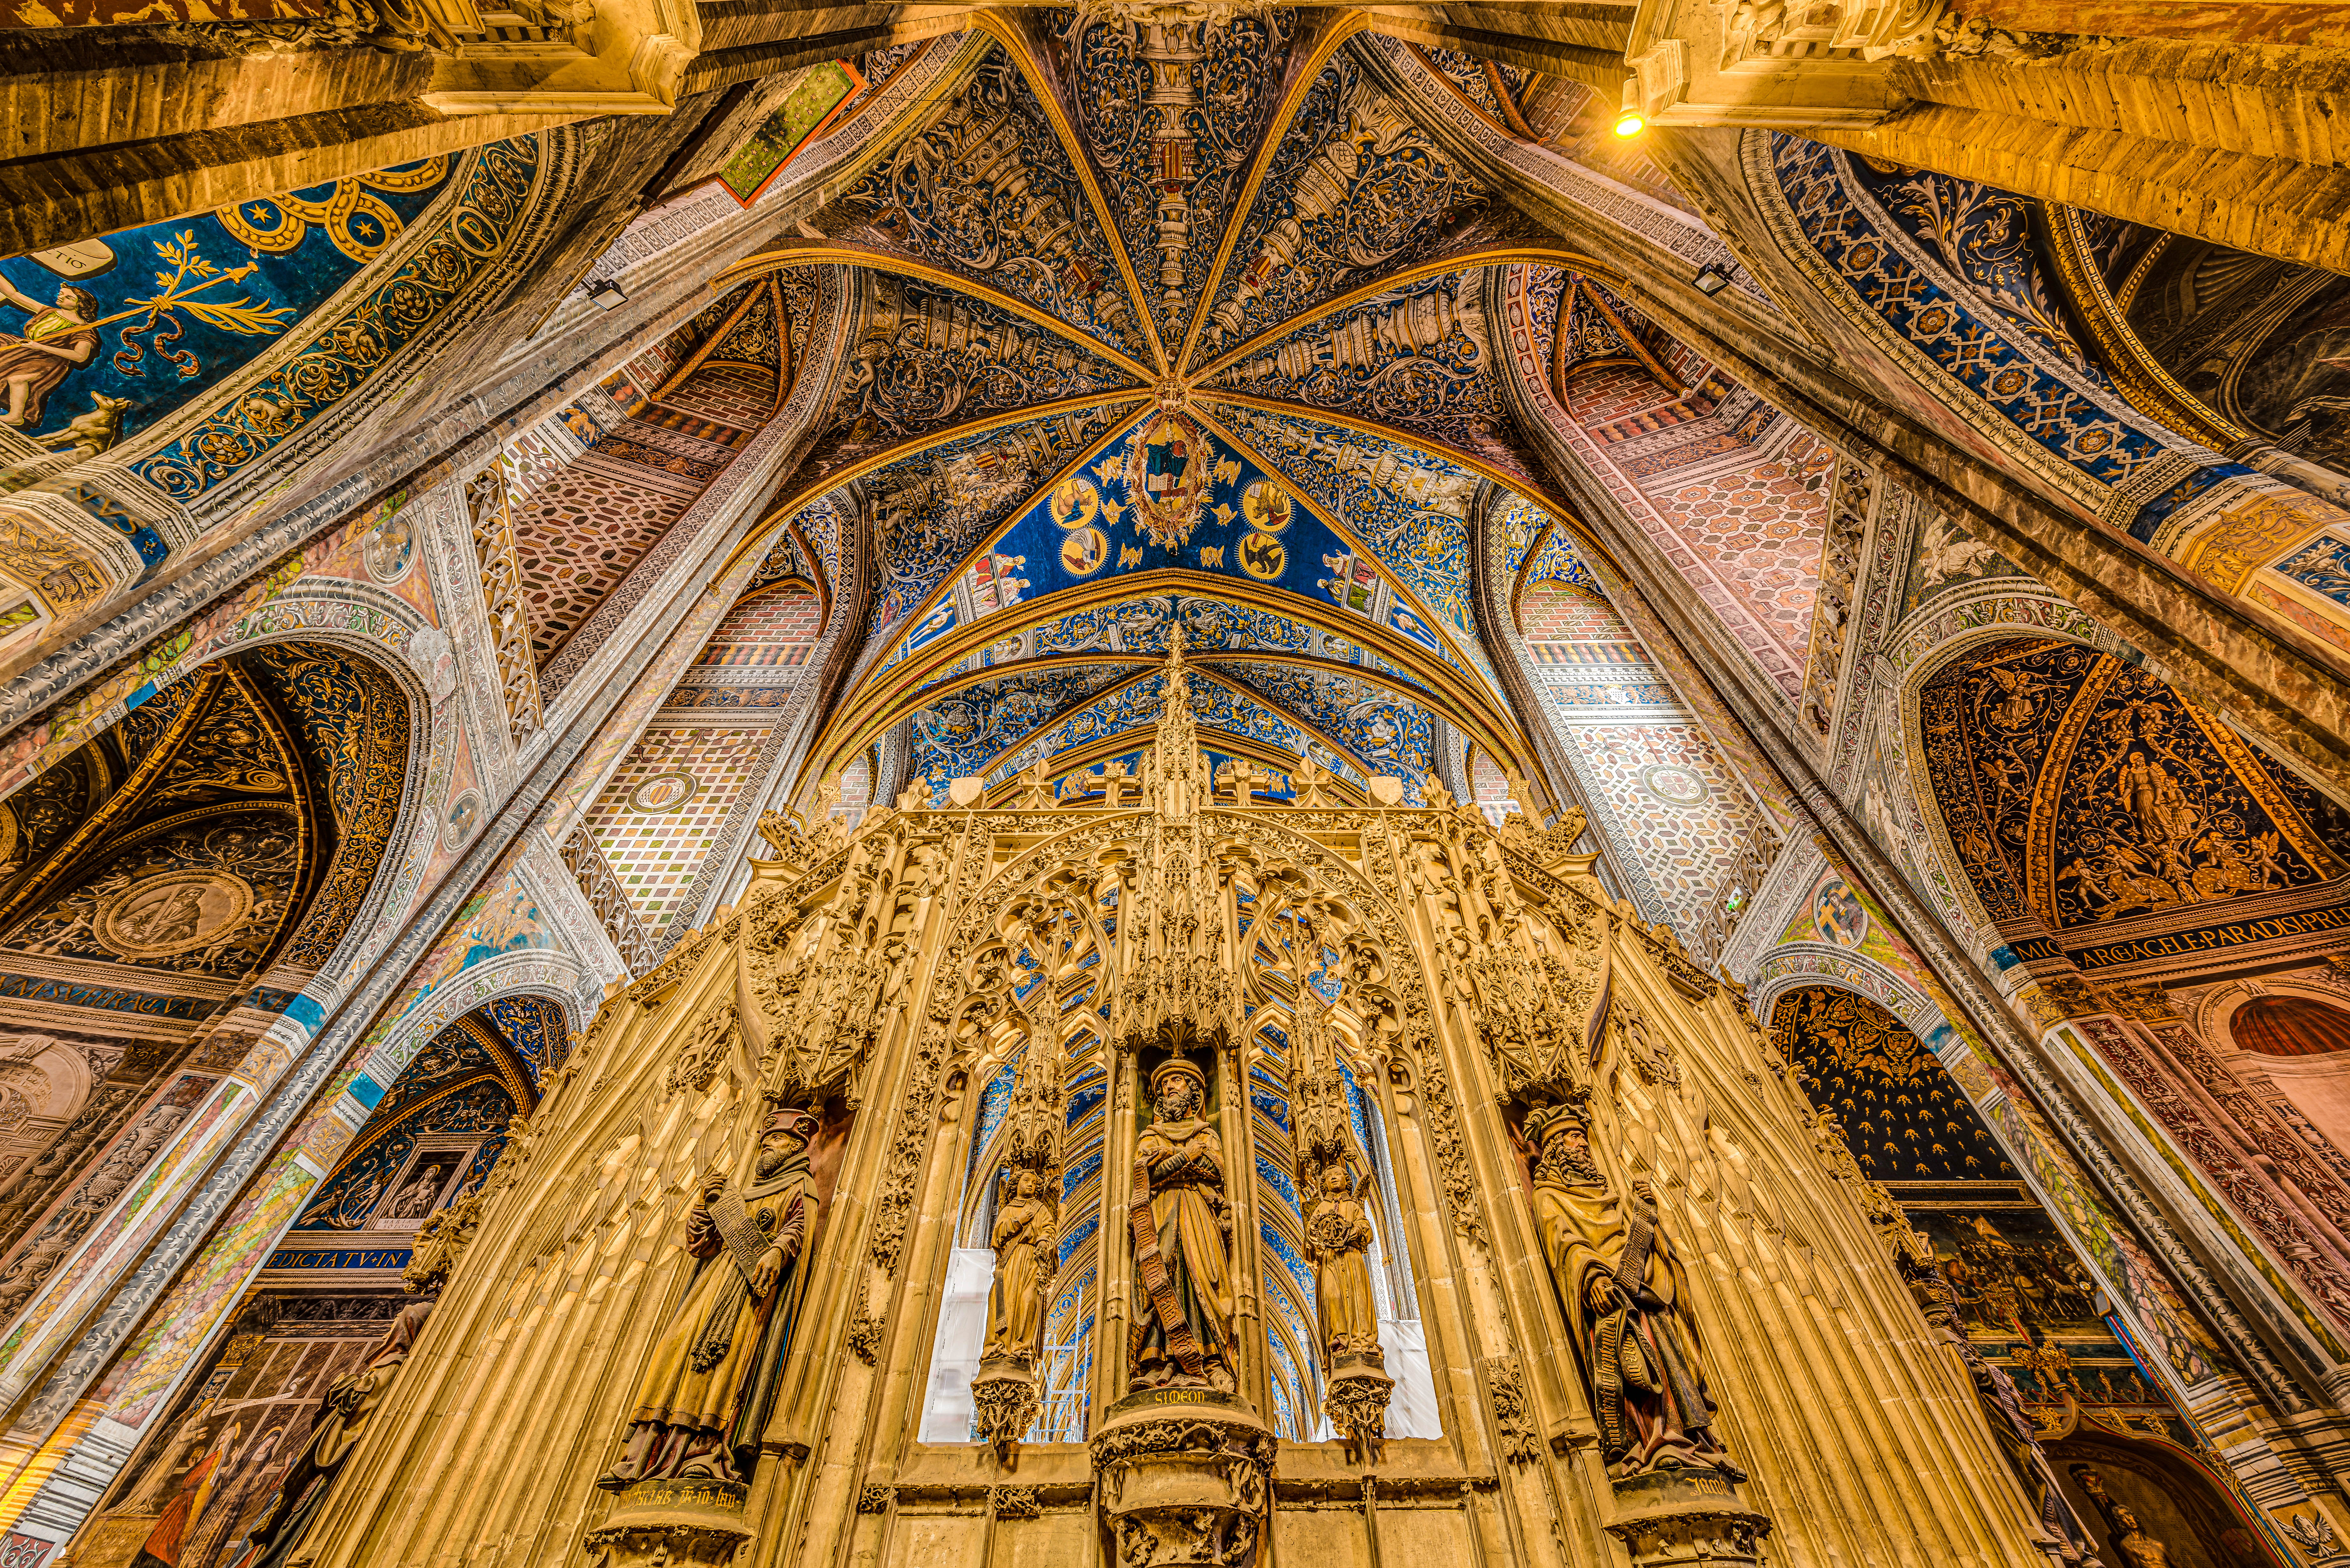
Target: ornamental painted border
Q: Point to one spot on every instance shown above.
(470, 235)
(1926, 327)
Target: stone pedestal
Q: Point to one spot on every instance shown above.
(672, 1524)
(1673, 1518)
(1006, 1404)
(1357, 1400)
(1184, 1477)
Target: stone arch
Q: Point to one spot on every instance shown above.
(1793, 965)
(547, 972)
(1920, 648)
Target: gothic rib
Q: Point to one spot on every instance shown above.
(1403, 686)
(1466, 700)
(1014, 43)
(511, 1071)
(709, 344)
(762, 536)
(1148, 665)
(964, 562)
(808, 253)
(1565, 515)
(1477, 260)
(1410, 596)
(1301, 83)
(132, 789)
(1526, 570)
(995, 535)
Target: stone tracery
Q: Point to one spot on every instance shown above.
(1237, 571)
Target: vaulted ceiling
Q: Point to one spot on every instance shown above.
(1174, 323)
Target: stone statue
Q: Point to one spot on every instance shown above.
(1182, 1231)
(1614, 1266)
(701, 1399)
(1338, 1238)
(342, 1415)
(2132, 1545)
(1026, 1251)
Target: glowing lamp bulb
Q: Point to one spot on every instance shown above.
(1631, 122)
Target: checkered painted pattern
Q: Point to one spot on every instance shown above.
(655, 854)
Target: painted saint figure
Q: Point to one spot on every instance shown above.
(58, 338)
(166, 1540)
(1614, 1266)
(1025, 1259)
(342, 1415)
(1182, 1229)
(702, 1397)
(414, 1201)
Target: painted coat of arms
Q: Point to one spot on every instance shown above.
(1169, 468)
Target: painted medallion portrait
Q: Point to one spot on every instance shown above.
(1838, 915)
(389, 548)
(174, 912)
(1076, 502)
(1260, 556)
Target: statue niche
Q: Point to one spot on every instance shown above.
(1621, 1286)
(1334, 1178)
(702, 1400)
(1025, 1236)
(1182, 1334)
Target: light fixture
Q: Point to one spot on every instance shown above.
(1632, 120)
(606, 295)
(1712, 280)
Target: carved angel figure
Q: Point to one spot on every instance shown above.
(1339, 1239)
(1615, 1273)
(701, 1397)
(1181, 1227)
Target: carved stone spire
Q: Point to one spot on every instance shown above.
(1177, 774)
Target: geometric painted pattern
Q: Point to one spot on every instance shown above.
(1644, 760)
(663, 808)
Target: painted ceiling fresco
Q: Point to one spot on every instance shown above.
(1905, 1116)
(1177, 323)
(2080, 791)
(160, 314)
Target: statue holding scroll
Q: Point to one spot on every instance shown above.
(1181, 1230)
(1621, 1285)
(699, 1400)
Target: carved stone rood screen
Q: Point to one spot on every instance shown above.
(1098, 1170)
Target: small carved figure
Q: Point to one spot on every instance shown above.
(695, 1402)
(1023, 1241)
(1613, 1263)
(2136, 1548)
(1181, 1227)
(1338, 1238)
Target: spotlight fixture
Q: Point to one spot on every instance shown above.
(1712, 280)
(1632, 120)
(606, 295)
